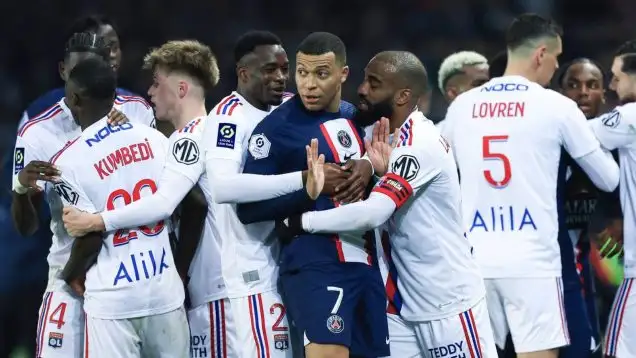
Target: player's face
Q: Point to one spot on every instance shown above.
(268, 73)
(547, 59)
(112, 40)
(73, 59)
(319, 80)
(623, 83)
(469, 78)
(583, 83)
(376, 93)
(164, 95)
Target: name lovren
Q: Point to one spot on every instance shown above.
(122, 157)
(499, 110)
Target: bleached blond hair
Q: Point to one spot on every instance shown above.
(455, 63)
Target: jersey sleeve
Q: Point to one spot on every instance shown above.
(411, 167)
(138, 111)
(614, 129)
(70, 190)
(576, 136)
(227, 137)
(185, 154)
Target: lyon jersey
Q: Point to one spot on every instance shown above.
(40, 138)
(507, 136)
(249, 252)
(187, 157)
(432, 261)
(617, 130)
(109, 167)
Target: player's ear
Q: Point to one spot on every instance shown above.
(241, 73)
(60, 69)
(344, 74)
(403, 97)
(539, 54)
(451, 92)
(182, 89)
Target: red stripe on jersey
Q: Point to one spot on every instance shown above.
(332, 147)
(50, 113)
(233, 106)
(124, 99)
(391, 286)
(355, 132)
(85, 336)
(57, 155)
(395, 187)
(219, 107)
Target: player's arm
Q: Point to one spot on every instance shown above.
(194, 209)
(264, 158)
(579, 141)
(29, 168)
(393, 190)
(615, 129)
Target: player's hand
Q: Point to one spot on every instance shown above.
(315, 170)
(610, 240)
(115, 118)
(38, 170)
(78, 285)
(379, 148)
(334, 176)
(355, 187)
(79, 223)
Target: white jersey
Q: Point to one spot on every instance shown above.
(249, 252)
(44, 135)
(507, 137)
(105, 168)
(617, 130)
(188, 158)
(425, 231)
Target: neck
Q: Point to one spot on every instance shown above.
(89, 116)
(400, 115)
(334, 106)
(520, 68)
(251, 98)
(190, 109)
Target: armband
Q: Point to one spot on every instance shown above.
(395, 187)
(18, 187)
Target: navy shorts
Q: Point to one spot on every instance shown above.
(339, 303)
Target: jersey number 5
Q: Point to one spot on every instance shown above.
(488, 154)
(123, 236)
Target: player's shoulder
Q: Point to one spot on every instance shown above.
(347, 109)
(43, 123)
(193, 128)
(126, 99)
(627, 109)
(68, 154)
(44, 102)
(229, 107)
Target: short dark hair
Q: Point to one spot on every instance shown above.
(563, 70)
(497, 64)
(408, 68)
(86, 42)
(320, 43)
(95, 78)
(528, 27)
(250, 40)
(628, 52)
(89, 23)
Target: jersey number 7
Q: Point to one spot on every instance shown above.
(123, 236)
(489, 154)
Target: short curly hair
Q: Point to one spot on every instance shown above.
(189, 57)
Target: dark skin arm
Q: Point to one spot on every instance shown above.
(25, 207)
(83, 255)
(194, 209)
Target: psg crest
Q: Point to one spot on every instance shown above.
(335, 323)
(344, 138)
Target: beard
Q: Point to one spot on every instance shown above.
(373, 113)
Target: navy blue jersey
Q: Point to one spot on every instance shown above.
(277, 146)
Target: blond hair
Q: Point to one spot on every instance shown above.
(189, 57)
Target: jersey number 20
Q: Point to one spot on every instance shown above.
(123, 236)
(489, 154)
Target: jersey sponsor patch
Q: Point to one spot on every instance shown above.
(226, 136)
(185, 151)
(406, 166)
(259, 146)
(395, 187)
(18, 160)
(612, 119)
(66, 193)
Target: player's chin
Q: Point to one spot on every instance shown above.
(275, 99)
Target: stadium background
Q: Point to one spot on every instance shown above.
(33, 40)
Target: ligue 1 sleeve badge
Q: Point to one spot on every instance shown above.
(335, 324)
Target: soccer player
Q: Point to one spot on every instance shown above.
(61, 313)
(103, 28)
(134, 296)
(507, 137)
(461, 72)
(615, 130)
(332, 288)
(440, 306)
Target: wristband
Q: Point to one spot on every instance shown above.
(366, 157)
(18, 187)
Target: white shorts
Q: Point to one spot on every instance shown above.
(530, 309)
(465, 335)
(60, 330)
(158, 336)
(620, 338)
(247, 327)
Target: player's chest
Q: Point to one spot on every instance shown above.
(338, 140)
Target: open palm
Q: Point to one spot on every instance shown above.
(315, 170)
(379, 147)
